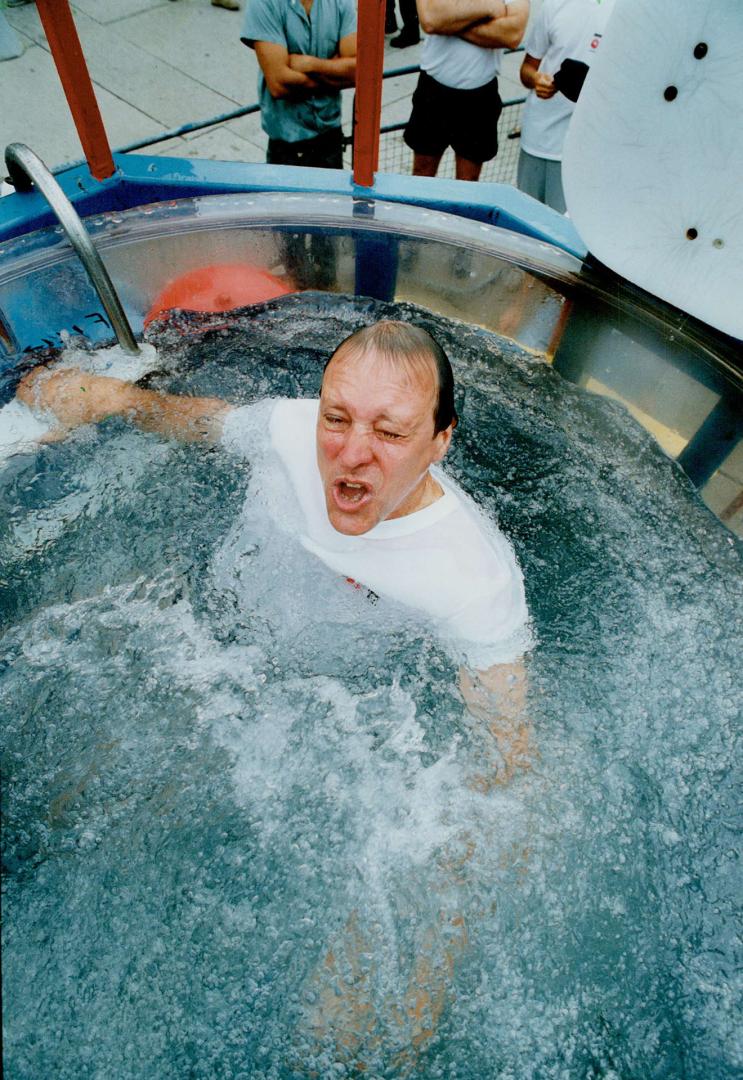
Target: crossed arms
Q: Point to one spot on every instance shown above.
(488, 23)
(296, 74)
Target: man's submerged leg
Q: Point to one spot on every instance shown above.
(339, 1013)
(363, 1009)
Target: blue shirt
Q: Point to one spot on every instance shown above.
(285, 22)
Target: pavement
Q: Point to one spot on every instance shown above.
(155, 65)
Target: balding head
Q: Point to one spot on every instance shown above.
(386, 415)
(411, 350)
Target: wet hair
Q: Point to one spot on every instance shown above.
(405, 345)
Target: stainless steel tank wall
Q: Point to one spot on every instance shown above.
(680, 379)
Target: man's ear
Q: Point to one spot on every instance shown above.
(443, 442)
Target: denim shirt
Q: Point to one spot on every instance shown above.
(285, 22)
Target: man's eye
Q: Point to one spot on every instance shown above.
(334, 421)
(390, 435)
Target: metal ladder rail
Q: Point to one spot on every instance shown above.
(26, 168)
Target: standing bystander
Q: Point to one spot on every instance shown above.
(306, 50)
(565, 32)
(456, 102)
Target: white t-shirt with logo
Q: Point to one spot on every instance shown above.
(562, 30)
(447, 560)
(459, 64)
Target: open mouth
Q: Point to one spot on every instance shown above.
(350, 493)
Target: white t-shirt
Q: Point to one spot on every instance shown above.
(454, 62)
(447, 560)
(562, 30)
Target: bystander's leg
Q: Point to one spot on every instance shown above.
(309, 258)
(467, 170)
(553, 193)
(426, 164)
(410, 33)
(530, 176)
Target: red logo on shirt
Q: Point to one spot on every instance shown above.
(370, 596)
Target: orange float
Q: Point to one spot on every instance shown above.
(221, 287)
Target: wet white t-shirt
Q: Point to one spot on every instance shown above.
(447, 560)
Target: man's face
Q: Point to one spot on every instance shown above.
(375, 439)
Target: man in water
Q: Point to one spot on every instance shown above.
(374, 506)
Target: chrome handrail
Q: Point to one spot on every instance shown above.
(24, 168)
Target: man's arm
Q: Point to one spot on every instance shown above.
(502, 32)
(336, 73)
(76, 398)
(497, 697)
(532, 78)
(448, 17)
(282, 79)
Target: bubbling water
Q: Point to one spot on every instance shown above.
(241, 834)
(23, 428)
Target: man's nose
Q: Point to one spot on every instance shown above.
(357, 448)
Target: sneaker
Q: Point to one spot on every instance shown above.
(228, 5)
(405, 39)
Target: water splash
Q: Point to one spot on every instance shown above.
(23, 428)
(223, 764)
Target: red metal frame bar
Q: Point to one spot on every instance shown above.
(368, 101)
(67, 52)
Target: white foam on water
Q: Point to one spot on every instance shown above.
(23, 428)
(227, 765)
(395, 808)
(126, 458)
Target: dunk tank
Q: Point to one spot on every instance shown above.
(244, 825)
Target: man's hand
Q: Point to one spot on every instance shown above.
(76, 398)
(532, 78)
(544, 85)
(497, 697)
(301, 62)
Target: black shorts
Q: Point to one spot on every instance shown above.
(466, 120)
(323, 152)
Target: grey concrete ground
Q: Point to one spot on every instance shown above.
(157, 64)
